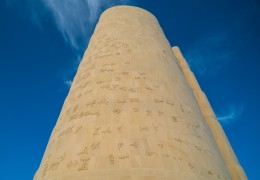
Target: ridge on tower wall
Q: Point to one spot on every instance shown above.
(232, 163)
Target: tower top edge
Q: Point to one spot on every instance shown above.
(126, 8)
(176, 48)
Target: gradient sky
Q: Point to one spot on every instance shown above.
(42, 42)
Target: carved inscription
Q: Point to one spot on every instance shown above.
(45, 169)
(72, 164)
(135, 144)
(70, 130)
(124, 157)
(95, 146)
(148, 113)
(111, 159)
(107, 131)
(144, 128)
(83, 164)
(84, 151)
(117, 111)
(96, 131)
(120, 145)
(174, 119)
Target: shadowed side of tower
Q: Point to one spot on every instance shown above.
(232, 163)
(130, 112)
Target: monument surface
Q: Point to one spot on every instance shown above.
(135, 111)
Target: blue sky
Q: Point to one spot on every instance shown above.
(42, 42)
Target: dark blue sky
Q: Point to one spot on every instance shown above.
(42, 42)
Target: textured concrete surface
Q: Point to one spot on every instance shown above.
(130, 112)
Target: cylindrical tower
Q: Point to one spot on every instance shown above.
(130, 112)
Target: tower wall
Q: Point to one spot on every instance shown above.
(130, 112)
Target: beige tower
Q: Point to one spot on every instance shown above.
(132, 114)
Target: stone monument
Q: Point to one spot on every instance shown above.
(136, 111)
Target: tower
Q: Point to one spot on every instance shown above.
(133, 112)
